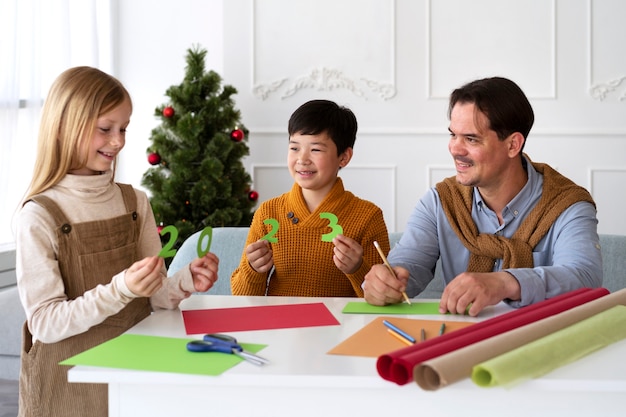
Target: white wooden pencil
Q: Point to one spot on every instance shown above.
(384, 258)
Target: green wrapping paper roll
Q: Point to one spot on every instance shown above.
(550, 352)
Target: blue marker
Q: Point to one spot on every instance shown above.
(400, 332)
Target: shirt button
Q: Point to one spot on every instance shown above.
(290, 214)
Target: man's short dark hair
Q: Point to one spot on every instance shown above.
(506, 106)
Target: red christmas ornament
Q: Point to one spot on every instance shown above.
(237, 135)
(168, 111)
(253, 196)
(154, 158)
(160, 228)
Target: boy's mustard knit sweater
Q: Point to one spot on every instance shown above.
(303, 263)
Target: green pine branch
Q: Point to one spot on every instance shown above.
(200, 180)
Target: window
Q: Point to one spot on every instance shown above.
(39, 39)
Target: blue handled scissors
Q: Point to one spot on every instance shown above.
(217, 342)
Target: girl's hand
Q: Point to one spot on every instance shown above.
(143, 278)
(347, 254)
(204, 271)
(260, 256)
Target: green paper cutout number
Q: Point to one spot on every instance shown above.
(336, 229)
(208, 233)
(167, 251)
(270, 236)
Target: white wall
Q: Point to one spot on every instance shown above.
(394, 63)
(152, 41)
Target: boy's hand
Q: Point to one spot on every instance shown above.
(204, 271)
(143, 278)
(347, 254)
(260, 256)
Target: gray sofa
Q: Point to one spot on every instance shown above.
(228, 244)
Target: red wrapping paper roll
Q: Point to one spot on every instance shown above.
(398, 366)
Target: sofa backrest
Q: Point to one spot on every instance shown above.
(613, 261)
(228, 244)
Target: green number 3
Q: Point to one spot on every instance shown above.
(335, 228)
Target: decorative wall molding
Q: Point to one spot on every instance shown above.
(373, 78)
(411, 133)
(263, 91)
(600, 91)
(325, 79)
(436, 173)
(598, 177)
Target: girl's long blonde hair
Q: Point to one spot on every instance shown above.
(76, 99)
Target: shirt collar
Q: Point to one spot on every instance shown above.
(519, 203)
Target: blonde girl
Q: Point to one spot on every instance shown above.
(87, 265)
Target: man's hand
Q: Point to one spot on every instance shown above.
(478, 290)
(381, 287)
(260, 256)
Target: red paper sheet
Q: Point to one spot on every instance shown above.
(398, 366)
(216, 320)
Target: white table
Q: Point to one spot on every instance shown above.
(303, 380)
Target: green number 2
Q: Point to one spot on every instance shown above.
(168, 251)
(335, 228)
(270, 236)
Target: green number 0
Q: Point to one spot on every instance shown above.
(206, 232)
(270, 236)
(335, 228)
(167, 251)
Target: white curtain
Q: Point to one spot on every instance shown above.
(38, 40)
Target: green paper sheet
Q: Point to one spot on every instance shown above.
(362, 307)
(550, 352)
(155, 353)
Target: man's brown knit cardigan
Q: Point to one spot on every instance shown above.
(558, 194)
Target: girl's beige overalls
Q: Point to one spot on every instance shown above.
(90, 253)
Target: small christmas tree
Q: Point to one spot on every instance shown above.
(198, 178)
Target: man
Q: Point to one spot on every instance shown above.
(505, 228)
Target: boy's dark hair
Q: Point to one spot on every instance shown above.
(502, 101)
(319, 116)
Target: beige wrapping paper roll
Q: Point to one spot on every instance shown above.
(454, 366)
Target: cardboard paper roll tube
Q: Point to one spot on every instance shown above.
(398, 366)
(457, 365)
(550, 352)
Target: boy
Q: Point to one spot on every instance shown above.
(318, 239)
